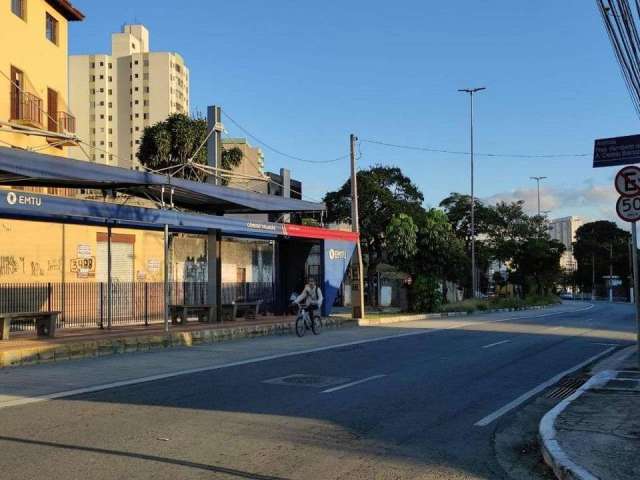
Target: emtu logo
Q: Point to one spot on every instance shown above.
(337, 254)
(23, 199)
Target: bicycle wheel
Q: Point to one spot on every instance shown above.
(300, 326)
(316, 325)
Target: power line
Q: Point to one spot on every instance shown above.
(456, 152)
(277, 151)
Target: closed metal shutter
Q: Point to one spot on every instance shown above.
(121, 262)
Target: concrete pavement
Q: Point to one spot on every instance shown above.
(373, 402)
(595, 433)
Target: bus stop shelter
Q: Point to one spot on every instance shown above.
(179, 206)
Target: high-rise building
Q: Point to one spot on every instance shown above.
(116, 96)
(33, 75)
(564, 230)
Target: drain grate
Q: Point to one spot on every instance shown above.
(303, 380)
(567, 387)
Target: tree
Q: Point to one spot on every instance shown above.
(440, 252)
(537, 259)
(172, 142)
(598, 245)
(457, 207)
(401, 238)
(383, 192)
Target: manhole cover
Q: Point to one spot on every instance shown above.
(302, 380)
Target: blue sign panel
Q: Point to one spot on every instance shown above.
(337, 256)
(611, 152)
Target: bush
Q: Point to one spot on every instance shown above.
(471, 305)
(425, 294)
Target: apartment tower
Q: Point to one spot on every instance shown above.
(116, 96)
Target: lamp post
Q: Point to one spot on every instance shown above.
(537, 179)
(474, 279)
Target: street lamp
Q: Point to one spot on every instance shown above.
(537, 179)
(474, 280)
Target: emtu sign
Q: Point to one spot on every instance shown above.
(612, 152)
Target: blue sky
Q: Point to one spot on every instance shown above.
(303, 75)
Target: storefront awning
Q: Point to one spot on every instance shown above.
(24, 168)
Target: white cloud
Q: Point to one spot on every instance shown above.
(592, 201)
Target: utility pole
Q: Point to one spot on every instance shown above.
(634, 252)
(593, 277)
(474, 277)
(357, 279)
(611, 272)
(537, 179)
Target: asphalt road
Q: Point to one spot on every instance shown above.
(415, 406)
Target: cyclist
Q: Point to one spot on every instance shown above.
(311, 296)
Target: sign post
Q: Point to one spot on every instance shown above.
(627, 184)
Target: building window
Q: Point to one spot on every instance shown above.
(146, 89)
(137, 115)
(135, 89)
(145, 116)
(111, 130)
(136, 75)
(102, 155)
(52, 29)
(110, 117)
(110, 104)
(93, 64)
(102, 103)
(110, 78)
(102, 117)
(101, 77)
(137, 129)
(102, 64)
(110, 65)
(146, 63)
(137, 102)
(93, 78)
(110, 91)
(18, 7)
(135, 62)
(102, 90)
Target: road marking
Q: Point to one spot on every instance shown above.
(164, 376)
(534, 391)
(496, 344)
(351, 384)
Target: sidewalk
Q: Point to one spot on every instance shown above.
(83, 343)
(595, 433)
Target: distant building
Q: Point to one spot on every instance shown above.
(116, 96)
(251, 168)
(564, 230)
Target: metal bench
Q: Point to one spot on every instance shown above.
(180, 313)
(45, 322)
(252, 308)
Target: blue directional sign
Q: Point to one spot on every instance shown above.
(610, 152)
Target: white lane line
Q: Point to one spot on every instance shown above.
(163, 376)
(496, 344)
(357, 382)
(534, 391)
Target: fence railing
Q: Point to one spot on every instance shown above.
(86, 305)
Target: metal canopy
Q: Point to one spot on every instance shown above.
(24, 168)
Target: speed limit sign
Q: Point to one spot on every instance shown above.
(628, 208)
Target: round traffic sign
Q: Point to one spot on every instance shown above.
(628, 208)
(627, 181)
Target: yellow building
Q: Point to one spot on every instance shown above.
(33, 74)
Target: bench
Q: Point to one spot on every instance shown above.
(45, 322)
(252, 308)
(180, 313)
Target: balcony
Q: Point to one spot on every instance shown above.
(66, 123)
(26, 109)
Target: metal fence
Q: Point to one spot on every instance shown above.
(85, 305)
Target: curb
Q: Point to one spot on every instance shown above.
(434, 316)
(553, 454)
(149, 342)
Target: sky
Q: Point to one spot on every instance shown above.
(301, 76)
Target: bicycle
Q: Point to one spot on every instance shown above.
(304, 322)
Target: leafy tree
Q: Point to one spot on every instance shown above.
(383, 192)
(598, 245)
(172, 142)
(401, 238)
(425, 294)
(440, 252)
(537, 260)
